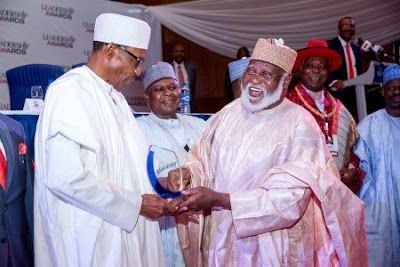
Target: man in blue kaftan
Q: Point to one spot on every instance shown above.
(379, 152)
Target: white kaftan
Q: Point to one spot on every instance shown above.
(173, 134)
(288, 206)
(90, 175)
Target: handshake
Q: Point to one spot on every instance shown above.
(191, 201)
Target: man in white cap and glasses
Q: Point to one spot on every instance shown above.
(177, 132)
(379, 151)
(263, 168)
(94, 205)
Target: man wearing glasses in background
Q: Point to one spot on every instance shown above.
(93, 202)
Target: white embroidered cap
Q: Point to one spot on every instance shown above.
(122, 30)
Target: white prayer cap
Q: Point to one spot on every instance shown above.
(122, 30)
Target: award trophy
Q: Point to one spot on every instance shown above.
(159, 162)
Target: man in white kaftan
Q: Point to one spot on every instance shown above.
(166, 129)
(263, 167)
(93, 202)
(379, 151)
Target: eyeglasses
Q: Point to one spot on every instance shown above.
(265, 75)
(139, 61)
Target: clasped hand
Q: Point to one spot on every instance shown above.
(195, 199)
(174, 179)
(153, 206)
(198, 198)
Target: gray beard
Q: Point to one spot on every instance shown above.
(268, 99)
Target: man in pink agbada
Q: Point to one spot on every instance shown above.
(270, 186)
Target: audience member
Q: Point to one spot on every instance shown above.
(228, 87)
(336, 123)
(185, 72)
(93, 203)
(167, 129)
(236, 70)
(263, 167)
(350, 67)
(16, 196)
(379, 153)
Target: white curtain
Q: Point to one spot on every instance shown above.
(223, 26)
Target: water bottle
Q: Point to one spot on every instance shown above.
(184, 107)
(37, 92)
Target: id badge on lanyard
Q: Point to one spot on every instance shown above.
(331, 140)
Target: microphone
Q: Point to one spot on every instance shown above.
(377, 49)
(365, 45)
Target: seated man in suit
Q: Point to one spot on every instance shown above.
(350, 67)
(16, 196)
(185, 72)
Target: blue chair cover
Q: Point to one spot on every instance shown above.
(78, 65)
(20, 80)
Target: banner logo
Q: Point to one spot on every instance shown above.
(87, 52)
(58, 40)
(13, 16)
(88, 26)
(58, 11)
(4, 106)
(3, 78)
(10, 47)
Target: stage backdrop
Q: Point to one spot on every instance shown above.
(60, 32)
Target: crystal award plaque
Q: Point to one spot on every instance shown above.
(159, 162)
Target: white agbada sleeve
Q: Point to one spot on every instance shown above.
(77, 186)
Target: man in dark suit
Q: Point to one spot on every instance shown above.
(16, 196)
(188, 71)
(350, 67)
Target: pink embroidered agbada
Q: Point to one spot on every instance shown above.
(288, 206)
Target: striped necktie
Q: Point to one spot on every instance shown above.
(180, 76)
(349, 63)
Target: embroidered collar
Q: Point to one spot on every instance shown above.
(328, 97)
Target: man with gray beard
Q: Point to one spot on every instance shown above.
(269, 186)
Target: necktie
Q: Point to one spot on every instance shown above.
(180, 76)
(349, 63)
(3, 170)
